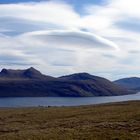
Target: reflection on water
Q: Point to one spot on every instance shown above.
(63, 101)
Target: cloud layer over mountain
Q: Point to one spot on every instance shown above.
(61, 37)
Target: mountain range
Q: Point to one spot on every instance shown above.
(32, 83)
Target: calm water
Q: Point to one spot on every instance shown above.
(63, 101)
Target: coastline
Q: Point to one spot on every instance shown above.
(62, 106)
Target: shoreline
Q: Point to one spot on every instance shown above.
(98, 104)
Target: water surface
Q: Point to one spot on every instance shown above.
(63, 101)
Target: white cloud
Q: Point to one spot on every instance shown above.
(50, 12)
(65, 48)
(126, 7)
(68, 39)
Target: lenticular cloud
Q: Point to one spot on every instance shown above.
(68, 39)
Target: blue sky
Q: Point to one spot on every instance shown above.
(62, 37)
(78, 4)
(75, 2)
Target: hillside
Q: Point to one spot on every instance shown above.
(129, 83)
(31, 83)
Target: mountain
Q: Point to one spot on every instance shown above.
(129, 83)
(31, 73)
(78, 76)
(31, 83)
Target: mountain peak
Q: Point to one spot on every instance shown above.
(78, 76)
(4, 70)
(30, 73)
(32, 69)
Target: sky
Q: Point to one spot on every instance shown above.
(61, 37)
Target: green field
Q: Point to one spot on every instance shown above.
(115, 121)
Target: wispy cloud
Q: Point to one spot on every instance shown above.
(95, 36)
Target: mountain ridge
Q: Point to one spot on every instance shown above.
(32, 83)
(129, 83)
(30, 73)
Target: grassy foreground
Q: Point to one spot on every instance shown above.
(115, 121)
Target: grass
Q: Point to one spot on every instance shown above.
(113, 121)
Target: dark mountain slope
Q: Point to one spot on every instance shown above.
(30, 82)
(95, 85)
(130, 83)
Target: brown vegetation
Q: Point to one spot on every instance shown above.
(115, 121)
